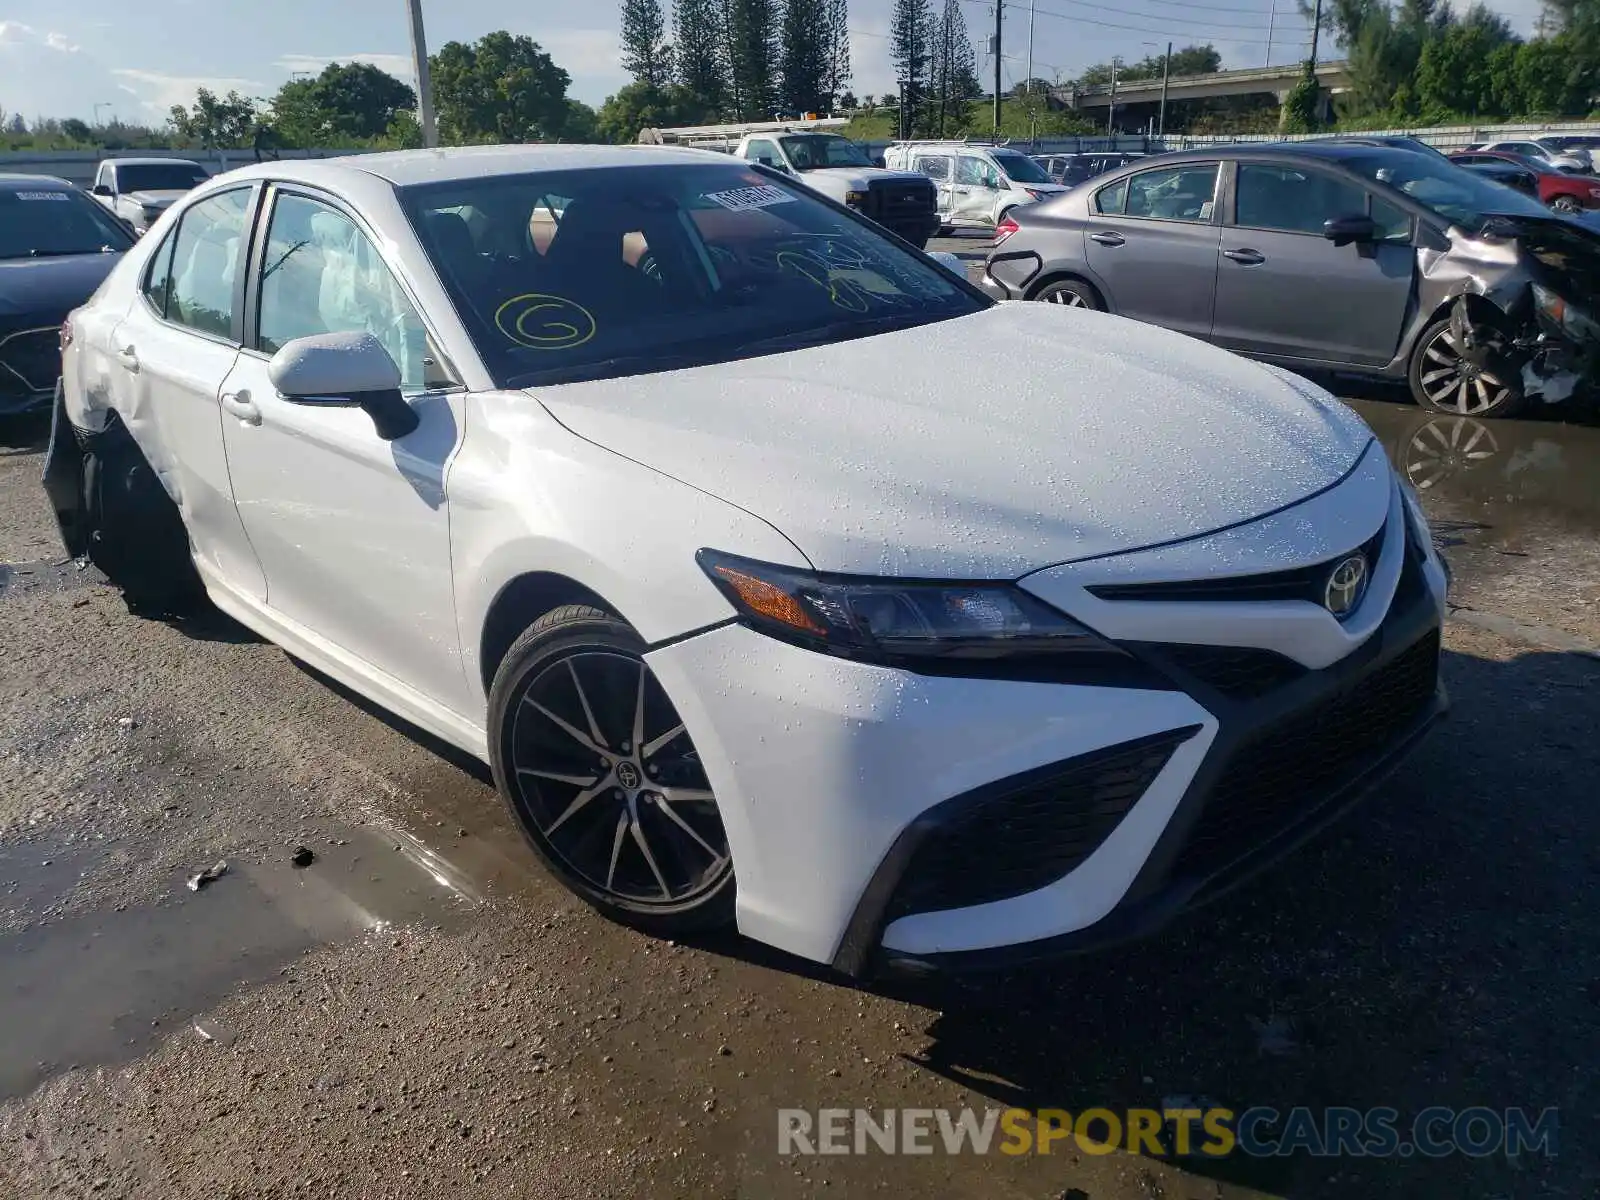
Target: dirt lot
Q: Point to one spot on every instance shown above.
(421, 1012)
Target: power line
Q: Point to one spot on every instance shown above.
(1164, 32)
(1045, 12)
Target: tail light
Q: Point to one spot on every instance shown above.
(1005, 229)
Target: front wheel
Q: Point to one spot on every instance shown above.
(1072, 293)
(601, 776)
(1448, 377)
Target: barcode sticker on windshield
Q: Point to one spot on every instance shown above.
(762, 196)
(42, 196)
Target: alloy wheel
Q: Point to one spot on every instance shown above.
(1068, 298)
(609, 780)
(1453, 382)
(1564, 204)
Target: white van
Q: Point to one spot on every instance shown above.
(977, 182)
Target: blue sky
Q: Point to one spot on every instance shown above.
(62, 59)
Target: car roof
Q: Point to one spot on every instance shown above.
(152, 162)
(1329, 151)
(406, 168)
(16, 183)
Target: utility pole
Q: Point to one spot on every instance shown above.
(419, 59)
(1030, 46)
(1111, 109)
(1166, 76)
(1272, 18)
(999, 8)
(1316, 30)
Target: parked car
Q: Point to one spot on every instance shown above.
(139, 190)
(582, 519)
(1561, 190)
(978, 183)
(1072, 169)
(1523, 179)
(1322, 255)
(56, 246)
(1583, 146)
(1529, 148)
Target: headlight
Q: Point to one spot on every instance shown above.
(886, 620)
(1567, 317)
(855, 199)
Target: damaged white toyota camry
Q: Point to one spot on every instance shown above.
(782, 578)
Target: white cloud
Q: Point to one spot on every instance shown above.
(871, 72)
(398, 65)
(159, 92)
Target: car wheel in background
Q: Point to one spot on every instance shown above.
(1566, 204)
(600, 774)
(1446, 379)
(1073, 293)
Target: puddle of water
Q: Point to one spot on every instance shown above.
(100, 987)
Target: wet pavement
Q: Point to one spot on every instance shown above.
(421, 1011)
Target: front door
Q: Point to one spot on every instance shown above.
(976, 194)
(352, 531)
(169, 358)
(1151, 240)
(1283, 289)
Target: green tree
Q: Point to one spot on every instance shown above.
(1455, 69)
(700, 66)
(1299, 113)
(751, 29)
(837, 50)
(225, 123)
(912, 30)
(953, 72)
(637, 106)
(803, 57)
(346, 104)
(645, 52)
(77, 130)
(501, 88)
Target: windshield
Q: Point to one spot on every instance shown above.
(813, 151)
(51, 222)
(1455, 193)
(159, 177)
(562, 276)
(1019, 168)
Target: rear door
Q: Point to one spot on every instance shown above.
(1284, 289)
(171, 354)
(1152, 239)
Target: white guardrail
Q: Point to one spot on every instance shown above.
(78, 166)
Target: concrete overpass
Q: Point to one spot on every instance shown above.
(1251, 81)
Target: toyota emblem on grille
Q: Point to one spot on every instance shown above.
(1347, 583)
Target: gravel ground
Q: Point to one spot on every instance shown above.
(421, 1012)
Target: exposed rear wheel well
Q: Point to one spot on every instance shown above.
(1044, 281)
(520, 603)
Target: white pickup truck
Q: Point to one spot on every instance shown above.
(139, 190)
(903, 202)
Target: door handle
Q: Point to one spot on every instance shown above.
(1108, 239)
(240, 405)
(129, 359)
(1248, 258)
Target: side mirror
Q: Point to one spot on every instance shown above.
(101, 189)
(345, 368)
(1341, 231)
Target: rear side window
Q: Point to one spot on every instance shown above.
(205, 264)
(158, 275)
(1110, 200)
(1185, 193)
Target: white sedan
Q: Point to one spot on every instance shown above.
(782, 578)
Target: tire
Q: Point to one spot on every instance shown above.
(564, 705)
(1073, 293)
(1566, 204)
(1439, 382)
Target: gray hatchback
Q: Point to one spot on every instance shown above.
(1371, 259)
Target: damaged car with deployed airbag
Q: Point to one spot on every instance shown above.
(1329, 256)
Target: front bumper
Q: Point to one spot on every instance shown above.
(879, 817)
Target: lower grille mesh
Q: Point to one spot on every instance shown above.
(1019, 840)
(1287, 772)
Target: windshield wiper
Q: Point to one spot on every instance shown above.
(36, 253)
(835, 331)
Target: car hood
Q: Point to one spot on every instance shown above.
(49, 288)
(861, 177)
(157, 198)
(988, 446)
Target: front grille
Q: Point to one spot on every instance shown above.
(30, 360)
(904, 206)
(1027, 836)
(1241, 672)
(1300, 583)
(1287, 771)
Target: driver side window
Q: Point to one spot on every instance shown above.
(972, 172)
(763, 151)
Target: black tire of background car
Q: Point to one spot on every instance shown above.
(136, 534)
(1511, 379)
(1566, 204)
(1074, 293)
(558, 634)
